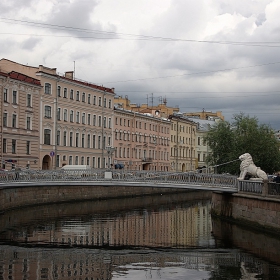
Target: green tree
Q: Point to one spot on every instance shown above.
(244, 135)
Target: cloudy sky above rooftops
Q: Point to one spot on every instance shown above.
(214, 55)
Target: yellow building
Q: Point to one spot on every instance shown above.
(182, 143)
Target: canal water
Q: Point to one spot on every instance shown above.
(152, 237)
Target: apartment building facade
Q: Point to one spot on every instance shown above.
(141, 141)
(75, 120)
(19, 120)
(183, 144)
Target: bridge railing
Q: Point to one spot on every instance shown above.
(118, 175)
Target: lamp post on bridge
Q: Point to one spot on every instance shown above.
(110, 150)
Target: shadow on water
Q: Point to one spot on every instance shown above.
(151, 237)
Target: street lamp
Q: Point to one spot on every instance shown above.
(110, 150)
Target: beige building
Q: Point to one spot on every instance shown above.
(75, 121)
(183, 144)
(19, 122)
(141, 140)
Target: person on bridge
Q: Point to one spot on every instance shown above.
(277, 179)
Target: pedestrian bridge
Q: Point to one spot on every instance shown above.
(186, 180)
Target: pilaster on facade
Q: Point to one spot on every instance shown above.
(141, 141)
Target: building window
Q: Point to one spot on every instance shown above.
(76, 160)
(28, 147)
(104, 122)
(109, 122)
(71, 116)
(57, 161)
(94, 100)
(71, 139)
(77, 96)
(93, 141)
(88, 119)
(5, 119)
(93, 162)
(58, 137)
(110, 103)
(71, 94)
(28, 122)
(94, 120)
(58, 114)
(99, 101)
(104, 102)
(65, 115)
(88, 99)
(58, 91)
(14, 121)
(88, 141)
(47, 88)
(14, 146)
(83, 140)
(14, 97)
(28, 100)
(4, 145)
(5, 98)
(77, 139)
(65, 93)
(70, 160)
(78, 117)
(99, 142)
(83, 118)
(87, 160)
(83, 97)
(99, 121)
(82, 160)
(64, 138)
(47, 136)
(48, 111)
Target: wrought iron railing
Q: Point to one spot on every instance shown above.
(118, 175)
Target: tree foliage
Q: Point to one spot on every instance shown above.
(228, 141)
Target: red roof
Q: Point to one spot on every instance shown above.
(24, 78)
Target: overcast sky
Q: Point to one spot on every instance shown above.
(215, 55)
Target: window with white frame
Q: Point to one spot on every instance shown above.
(14, 146)
(71, 116)
(83, 97)
(65, 92)
(28, 123)
(14, 97)
(83, 118)
(48, 111)
(28, 100)
(58, 91)
(47, 136)
(65, 115)
(77, 116)
(4, 145)
(5, 95)
(5, 119)
(77, 96)
(77, 139)
(47, 88)
(88, 98)
(58, 114)
(14, 120)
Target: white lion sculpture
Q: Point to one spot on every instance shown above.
(247, 166)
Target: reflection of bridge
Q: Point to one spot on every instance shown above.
(187, 180)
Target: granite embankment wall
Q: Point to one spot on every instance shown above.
(257, 211)
(22, 195)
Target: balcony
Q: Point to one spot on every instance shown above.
(147, 159)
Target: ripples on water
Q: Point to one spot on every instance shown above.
(165, 237)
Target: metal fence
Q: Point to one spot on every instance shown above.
(117, 175)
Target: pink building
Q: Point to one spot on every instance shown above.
(141, 141)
